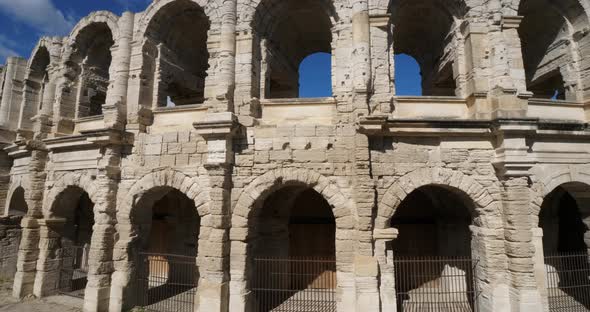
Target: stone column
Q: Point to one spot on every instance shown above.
(48, 263)
(43, 120)
(13, 72)
(214, 246)
(115, 110)
(361, 55)
(384, 255)
(383, 87)
(227, 55)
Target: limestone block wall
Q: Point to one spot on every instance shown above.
(10, 236)
(227, 146)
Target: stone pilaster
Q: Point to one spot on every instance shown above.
(100, 263)
(10, 99)
(382, 84)
(227, 55)
(214, 245)
(48, 263)
(384, 255)
(513, 165)
(115, 108)
(361, 56)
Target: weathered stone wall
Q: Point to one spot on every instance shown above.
(364, 150)
(10, 236)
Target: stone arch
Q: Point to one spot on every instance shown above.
(161, 35)
(17, 194)
(249, 204)
(549, 180)
(38, 87)
(558, 176)
(14, 185)
(84, 181)
(552, 60)
(192, 187)
(106, 17)
(44, 43)
(439, 49)
(486, 212)
(247, 10)
(486, 226)
(264, 185)
(122, 288)
(211, 9)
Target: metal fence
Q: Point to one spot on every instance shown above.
(166, 282)
(568, 282)
(73, 270)
(294, 284)
(435, 284)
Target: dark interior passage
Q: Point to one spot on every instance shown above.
(566, 252)
(75, 206)
(167, 271)
(432, 254)
(293, 254)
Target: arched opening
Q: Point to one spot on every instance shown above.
(288, 32)
(167, 273)
(35, 95)
(425, 30)
(434, 268)
(408, 79)
(565, 221)
(315, 76)
(292, 251)
(176, 57)
(18, 205)
(74, 215)
(89, 69)
(549, 51)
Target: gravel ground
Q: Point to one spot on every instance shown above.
(50, 304)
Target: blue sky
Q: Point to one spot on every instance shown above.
(23, 22)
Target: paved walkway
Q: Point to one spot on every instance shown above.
(50, 304)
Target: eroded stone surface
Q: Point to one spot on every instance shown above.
(201, 97)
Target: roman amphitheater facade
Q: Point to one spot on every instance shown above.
(178, 133)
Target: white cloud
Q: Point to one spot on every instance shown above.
(39, 14)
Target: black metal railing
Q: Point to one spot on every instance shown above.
(166, 282)
(435, 284)
(73, 270)
(568, 281)
(294, 284)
